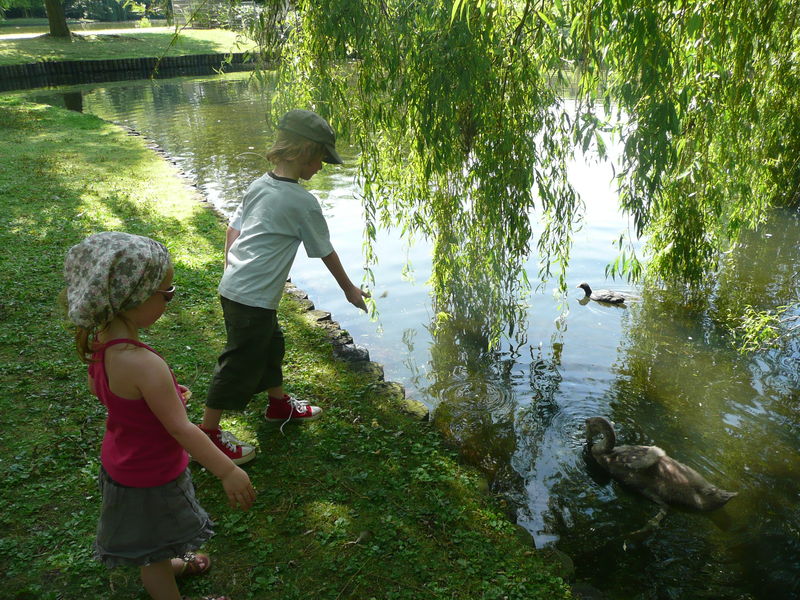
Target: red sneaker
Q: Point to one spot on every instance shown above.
(291, 409)
(239, 452)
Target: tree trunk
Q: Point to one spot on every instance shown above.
(57, 19)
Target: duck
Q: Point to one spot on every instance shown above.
(606, 296)
(652, 473)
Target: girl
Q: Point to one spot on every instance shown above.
(118, 283)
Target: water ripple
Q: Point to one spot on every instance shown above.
(477, 397)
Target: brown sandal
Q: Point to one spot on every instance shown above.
(193, 564)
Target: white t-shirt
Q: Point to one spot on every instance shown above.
(275, 215)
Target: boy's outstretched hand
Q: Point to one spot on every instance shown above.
(239, 489)
(355, 296)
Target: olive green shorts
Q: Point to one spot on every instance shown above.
(252, 358)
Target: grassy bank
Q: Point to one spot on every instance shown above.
(365, 503)
(138, 43)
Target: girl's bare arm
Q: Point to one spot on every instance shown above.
(156, 386)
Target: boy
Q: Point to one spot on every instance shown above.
(277, 213)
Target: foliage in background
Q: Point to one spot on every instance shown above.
(105, 10)
(95, 10)
(460, 114)
(231, 14)
(21, 8)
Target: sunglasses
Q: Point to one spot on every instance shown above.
(167, 293)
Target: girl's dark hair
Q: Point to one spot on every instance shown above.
(291, 147)
(84, 338)
(84, 344)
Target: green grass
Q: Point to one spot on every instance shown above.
(364, 503)
(139, 43)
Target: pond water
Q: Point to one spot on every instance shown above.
(664, 373)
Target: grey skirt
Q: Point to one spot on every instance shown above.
(139, 526)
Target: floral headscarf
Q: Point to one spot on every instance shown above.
(111, 272)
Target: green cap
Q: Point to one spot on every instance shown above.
(310, 125)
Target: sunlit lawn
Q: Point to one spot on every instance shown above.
(138, 43)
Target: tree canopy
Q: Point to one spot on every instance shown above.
(467, 112)
(24, 6)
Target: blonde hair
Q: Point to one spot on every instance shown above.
(85, 344)
(290, 147)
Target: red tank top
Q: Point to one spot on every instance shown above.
(137, 450)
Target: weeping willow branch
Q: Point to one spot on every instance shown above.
(464, 134)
